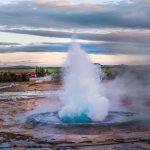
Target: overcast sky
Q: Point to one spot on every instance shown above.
(38, 32)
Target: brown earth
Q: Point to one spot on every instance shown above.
(16, 135)
(32, 86)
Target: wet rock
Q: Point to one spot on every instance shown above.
(1, 139)
(44, 145)
(1, 120)
(22, 143)
(129, 148)
(38, 149)
(5, 145)
(12, 136)
(32, 149)
(42, 119)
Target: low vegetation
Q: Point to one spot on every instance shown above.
(12, 77)
(110, 72)
(21, 74)
(41, 72)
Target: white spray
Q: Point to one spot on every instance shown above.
(82, 96)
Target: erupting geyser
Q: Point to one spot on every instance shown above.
(81, 96)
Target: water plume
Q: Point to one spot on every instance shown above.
(81, 96)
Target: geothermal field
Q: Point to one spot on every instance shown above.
(84, 109)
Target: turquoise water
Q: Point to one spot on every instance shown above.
(83, 118)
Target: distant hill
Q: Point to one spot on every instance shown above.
(19, 67)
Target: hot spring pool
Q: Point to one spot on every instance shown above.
(52, 118)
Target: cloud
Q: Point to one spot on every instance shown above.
(138, 36)
(127, 48)
(119, 42)
(58, 14)
(55, 14)
(8, 44)
(67, 4)
(107, 48)
(53, 47)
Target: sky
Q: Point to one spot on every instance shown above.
(38, 32)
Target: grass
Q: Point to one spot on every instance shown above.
(51, 70)
(16, 70)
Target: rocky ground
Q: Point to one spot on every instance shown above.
(131, 138)
(16, 134)
(29, 86)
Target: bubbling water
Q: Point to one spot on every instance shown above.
(81, 95)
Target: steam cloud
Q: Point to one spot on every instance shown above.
(81, 96)
(130, 91)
